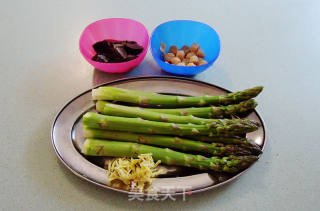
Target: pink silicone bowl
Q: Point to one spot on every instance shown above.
(117, 29)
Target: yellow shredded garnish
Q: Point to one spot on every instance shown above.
(134, 173)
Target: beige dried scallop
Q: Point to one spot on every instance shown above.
(202, 62)
(175, 60)
(168, 57)
(194, 47)
(186, 49)
(190, 54)
(173, 49)
(194, 59)
(186, 61)
(200, 53)
(180, 54)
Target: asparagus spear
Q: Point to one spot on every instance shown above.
(210, 112)
(242, 142)
(108, 108)
(183, 144)
(149, 98)
(220, 139)
(219, 126)
(231, 164)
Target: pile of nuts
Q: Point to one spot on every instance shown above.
(186, 56)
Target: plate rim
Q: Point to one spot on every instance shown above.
(150, 77)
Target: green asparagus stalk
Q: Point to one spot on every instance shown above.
(210, 112)
(149, 98)
(220, 139)
(183, 144)
(112, 109)
(231, 164)
(242, 142)
(220, 126)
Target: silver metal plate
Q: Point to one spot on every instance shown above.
(66, 135)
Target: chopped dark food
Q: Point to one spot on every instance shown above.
(100, 47)
(122, 52)
(115, 51)
(100, 58)
(134, 49)
(131, 42)
(131, 57)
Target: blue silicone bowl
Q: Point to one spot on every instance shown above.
(185, 32)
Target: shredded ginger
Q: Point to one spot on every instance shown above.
(134, 173)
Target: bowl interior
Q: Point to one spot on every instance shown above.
(185, 32)
(113, 28)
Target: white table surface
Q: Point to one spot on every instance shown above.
(272, 43)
